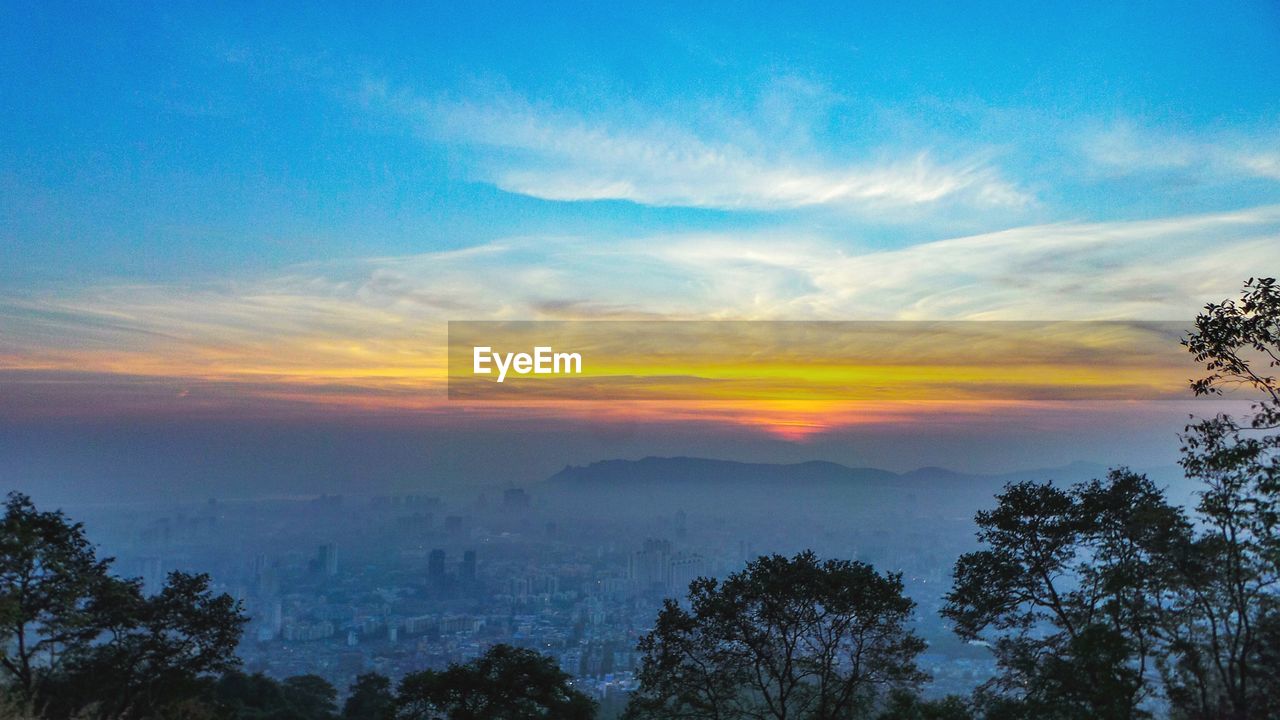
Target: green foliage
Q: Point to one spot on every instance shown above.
(903, 705)
(506, 682)
(1223, 628)
(11, 708)
(258, 697)
(371, 698)
(82, 643)
(1238, 342)
(1068, 591)
(52, 590)
(785, 638)
(153, 653)
(1099, 597)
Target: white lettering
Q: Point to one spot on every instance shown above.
(543, 361)
(575, 358)
(503, 362)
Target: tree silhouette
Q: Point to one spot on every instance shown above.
(1092, 595)
(52, 590)
(258, 697)
(506, 682)
(1068, 592)
(153, 652)
(371, 698)
(1224, 629)
(784, 638)
(905, 705)
(76, 641)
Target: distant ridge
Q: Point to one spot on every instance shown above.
(680, 468)
(684, 468)
(653, 483)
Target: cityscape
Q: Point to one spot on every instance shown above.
(640, 361)
(343, 585)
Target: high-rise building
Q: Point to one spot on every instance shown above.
(467, 572)
(515, 499)
(152, 572)
(275, 617)
(266, 580)
(648, 567)
(453, 525)
(684, 570)
(435, 566)
(327, 559)
(657, 569)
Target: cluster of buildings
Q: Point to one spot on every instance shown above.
(339, 587)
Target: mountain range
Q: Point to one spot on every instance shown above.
(658, 484)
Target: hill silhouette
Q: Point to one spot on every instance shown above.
(662, 484)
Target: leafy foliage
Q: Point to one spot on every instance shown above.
(903, 705)
(1223, 630)
(1099, 598)
(88, 644)
(371, 698)
(52, 592)
(258, 697)
(506, 682)
(1068, 591)
(785, 638)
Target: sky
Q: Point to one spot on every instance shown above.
(255, 220)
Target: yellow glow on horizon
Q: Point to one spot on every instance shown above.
(791, 393)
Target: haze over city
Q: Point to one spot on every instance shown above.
(233, 240)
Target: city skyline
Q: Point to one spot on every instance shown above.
(639, 360)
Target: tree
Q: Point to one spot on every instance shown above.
(903, 705)
(89, 644)
(784, 638)
(311, 696)
(1223, 628)
(1083, 591)
(51, 590)
(153, 651)
(506, 682)
(371, 698)
(1068, 591)
(258, 697)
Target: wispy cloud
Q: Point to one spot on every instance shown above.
(637, 156)
(370, 335)
(383, 318)
(1126, 148)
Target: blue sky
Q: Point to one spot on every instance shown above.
(164, 143)
(255, 211)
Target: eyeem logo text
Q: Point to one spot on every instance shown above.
(543, 361)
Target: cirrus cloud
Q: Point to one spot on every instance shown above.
(384, 317)
(650, 160)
